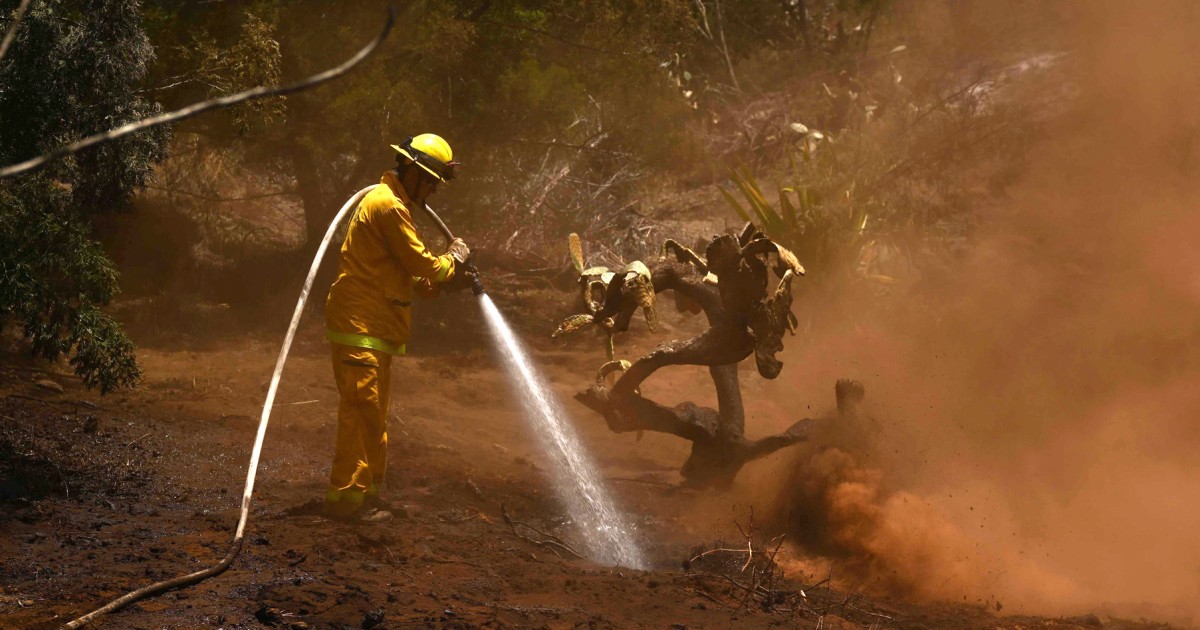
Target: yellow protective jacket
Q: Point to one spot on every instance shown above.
(383, 264)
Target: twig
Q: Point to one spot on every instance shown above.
(47, 401)
(550, 185)
(708, 597)
(649, 482)
(768, 570)
(714, 551)
(842, 604)
(12, 28)
(749, 539)
(771, 560)
(731, 580)
(63, 479)
(204, 106)
(553, 543)
(749, 543)
(298, 402)
(577, 147)
(827, 579)
(137, 440)
(457, 561)
(725, 47)
(867, 612)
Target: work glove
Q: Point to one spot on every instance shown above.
(464, 278)
(459, 251)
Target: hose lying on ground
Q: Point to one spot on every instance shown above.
(236, 547)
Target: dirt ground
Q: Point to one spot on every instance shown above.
(100, 495)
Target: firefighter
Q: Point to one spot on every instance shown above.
(368, 315)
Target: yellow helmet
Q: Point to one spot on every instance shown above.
(431, 153)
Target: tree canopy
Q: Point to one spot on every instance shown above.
(72, 71)
(556, 108)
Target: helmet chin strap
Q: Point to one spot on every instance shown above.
(411, 187)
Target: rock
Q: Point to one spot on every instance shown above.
(1087, 621)
(268, 615)
(372, 619)
(49, 385)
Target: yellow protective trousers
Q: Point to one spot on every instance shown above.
(363, 380)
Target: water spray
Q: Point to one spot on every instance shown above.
(603, 527)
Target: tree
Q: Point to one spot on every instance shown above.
(730, 285)
(504, 81)
(71, 71)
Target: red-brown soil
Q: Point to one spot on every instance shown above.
(100, 495)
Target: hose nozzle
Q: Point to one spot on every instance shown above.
(476, 283)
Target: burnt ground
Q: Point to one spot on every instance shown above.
(100, 495)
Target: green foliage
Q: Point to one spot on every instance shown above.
(886, 190)
(54, 278)
(542, 98)
(253, 59)
(829, 238)
(501, 80)
(72, 71)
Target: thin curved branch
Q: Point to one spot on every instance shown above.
(12, 29)
(200, 108)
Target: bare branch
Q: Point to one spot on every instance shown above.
(590, 146)
(548, 35)
(708, 597)
(725, 47)
(214, 199)
(12, 28)
(200, 108)
(551, 542)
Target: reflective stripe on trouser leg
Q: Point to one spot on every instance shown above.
(360, 458)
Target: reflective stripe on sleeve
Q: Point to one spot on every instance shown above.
(444, 272)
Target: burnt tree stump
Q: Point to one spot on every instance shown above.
(730, 287)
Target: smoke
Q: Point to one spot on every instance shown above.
(1039, 427)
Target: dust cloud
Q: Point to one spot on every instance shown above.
(1039, 426)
